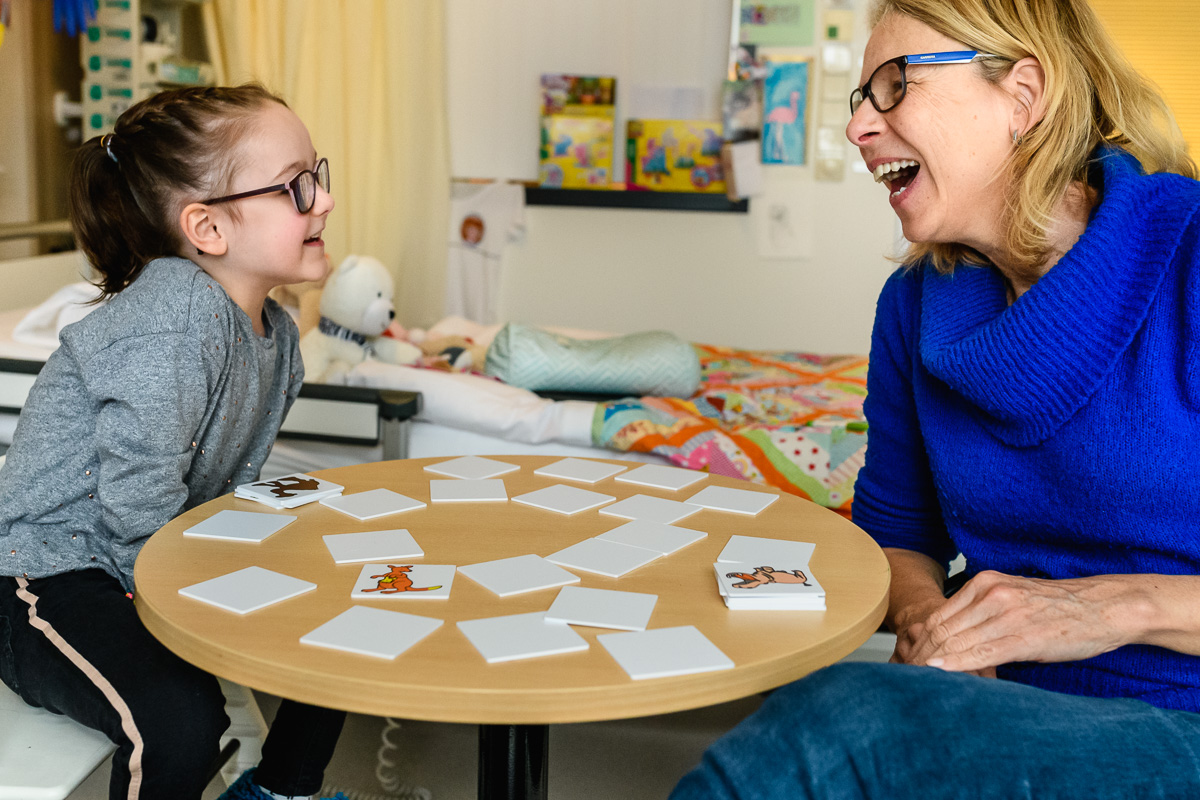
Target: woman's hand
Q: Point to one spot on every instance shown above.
(912, 637)
(998, 619)
(917, 584)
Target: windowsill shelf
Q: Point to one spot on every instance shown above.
(675, 201)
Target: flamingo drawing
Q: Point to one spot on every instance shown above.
(779, 118)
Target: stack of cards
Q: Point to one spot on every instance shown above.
(288, 491)
(777, 588)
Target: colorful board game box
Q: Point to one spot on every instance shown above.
(579, 95)
(673, 155)
(576, 153)
(577, 125)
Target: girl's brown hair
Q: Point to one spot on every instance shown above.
(1093, 96)
(128, 188)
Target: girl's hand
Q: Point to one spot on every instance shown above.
(998, 619)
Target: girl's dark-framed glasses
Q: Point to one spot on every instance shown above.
(889, 82)
(302, 188)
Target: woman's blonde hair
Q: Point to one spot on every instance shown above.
(1093, 96)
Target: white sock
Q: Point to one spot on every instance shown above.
(283, 796)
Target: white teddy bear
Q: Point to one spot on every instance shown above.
(356, 308)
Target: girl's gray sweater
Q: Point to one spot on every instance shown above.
(160, 400)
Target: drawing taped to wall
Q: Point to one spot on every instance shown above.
(785, 100)
(777, 23)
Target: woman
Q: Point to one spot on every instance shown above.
(1034, 401)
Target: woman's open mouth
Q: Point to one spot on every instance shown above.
(897, 175)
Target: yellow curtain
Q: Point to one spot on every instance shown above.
(1159, 37)
(368, 78)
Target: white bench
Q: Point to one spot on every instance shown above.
(45, 756)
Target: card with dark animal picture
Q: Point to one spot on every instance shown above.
(288, 491)
(404, 581)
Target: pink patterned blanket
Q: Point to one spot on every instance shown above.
(791, 420)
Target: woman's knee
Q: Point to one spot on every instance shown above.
(846, 711)
(842, 695)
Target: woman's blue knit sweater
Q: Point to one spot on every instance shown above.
(1057, 437)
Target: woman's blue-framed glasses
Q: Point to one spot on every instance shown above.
(889, 82)
(302, 188)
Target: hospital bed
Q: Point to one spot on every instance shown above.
(788, 419)
(413, 413)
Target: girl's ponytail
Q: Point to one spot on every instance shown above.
(110, 227)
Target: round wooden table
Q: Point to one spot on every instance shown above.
(443, 678)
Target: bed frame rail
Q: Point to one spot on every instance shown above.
(339, 414)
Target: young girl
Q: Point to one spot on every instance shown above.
(168, 396)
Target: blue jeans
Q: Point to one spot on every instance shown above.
(895, 731)
(73, 644)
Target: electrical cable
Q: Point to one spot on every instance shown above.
(385, 773)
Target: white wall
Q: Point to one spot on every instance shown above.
(698, 274)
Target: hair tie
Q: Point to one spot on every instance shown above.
(106, 143)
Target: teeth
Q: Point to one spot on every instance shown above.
(883, 171)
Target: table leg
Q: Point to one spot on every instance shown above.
(513, 762)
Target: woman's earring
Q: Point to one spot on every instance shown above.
(1016, 138)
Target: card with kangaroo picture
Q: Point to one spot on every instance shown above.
(405, 581)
